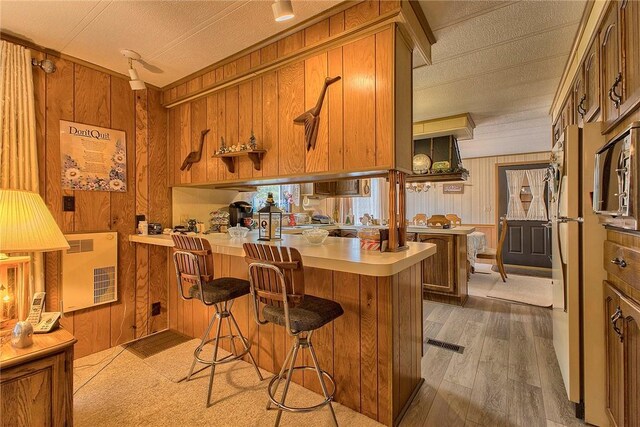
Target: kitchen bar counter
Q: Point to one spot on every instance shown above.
(461, 229)
(335, 254)
(373, 351)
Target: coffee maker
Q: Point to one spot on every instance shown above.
(238, 211)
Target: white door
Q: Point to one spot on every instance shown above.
(566, 265)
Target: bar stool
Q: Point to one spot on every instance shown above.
(193, 261)
(276, 275)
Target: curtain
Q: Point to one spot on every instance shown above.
(515, 211)
(18, 149)
(537, 209)
(377, 205)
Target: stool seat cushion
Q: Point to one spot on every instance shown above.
(222, 289)
(311, 314)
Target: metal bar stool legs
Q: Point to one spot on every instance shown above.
(288, 367)
(223, 311)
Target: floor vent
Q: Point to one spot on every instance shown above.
(446, 345)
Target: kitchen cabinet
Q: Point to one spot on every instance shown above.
(445, 274)
(614, 358)
(349, 187)
(629, 17)
(323, 188)
(579, 97)
(620, 60)
(610, 72)
(591, 67)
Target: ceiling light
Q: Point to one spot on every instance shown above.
(282, 10)
(136, 83)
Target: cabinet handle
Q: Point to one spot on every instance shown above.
(581, 110)
(613, 95)
(614, 322)
(619, 262)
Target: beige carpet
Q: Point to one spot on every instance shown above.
(523, 289)
(114, 387)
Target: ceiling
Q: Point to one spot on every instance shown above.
(501, 61)
(175, 38)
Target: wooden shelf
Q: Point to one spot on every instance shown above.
(255, 156)
(438, 177)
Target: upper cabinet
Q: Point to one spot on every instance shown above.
(620, 57)
(591, 71)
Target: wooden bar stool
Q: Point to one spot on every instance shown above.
(276, 275)
(193, 261)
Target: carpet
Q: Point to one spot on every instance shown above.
(154, 344)
(174, 363)
(521, 289)
(130, 392)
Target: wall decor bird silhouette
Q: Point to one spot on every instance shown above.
(194, 156)
(311, 118)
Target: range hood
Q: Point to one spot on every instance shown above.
(443, 160)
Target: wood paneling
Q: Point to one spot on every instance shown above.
(291, 148)
(361, 13)
(317, 159)
(358, 82)
(384, 98)
(335, 107)
(373, 351)
(79, 93)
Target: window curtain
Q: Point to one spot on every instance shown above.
(515, 210)
(18, 149)
(537, 209)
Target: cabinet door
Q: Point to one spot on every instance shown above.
(631, 342)
(614, 356)
(438, 270)
(630, 46)
(323, 188)
(579, 97)
(610, 64)
(591, 103)
(350, 187)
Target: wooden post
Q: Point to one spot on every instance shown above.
(393, 217)
(402, 210)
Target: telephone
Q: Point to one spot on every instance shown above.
(42, 322)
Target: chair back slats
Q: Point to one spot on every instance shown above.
(266, 282)
(193, 262)
(503, 235)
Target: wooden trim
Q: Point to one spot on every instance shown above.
(502, 155)
(422, 19)
(352, 34)
(47, 51)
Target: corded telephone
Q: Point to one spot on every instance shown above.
(42, 322)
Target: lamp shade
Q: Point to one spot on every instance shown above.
(26, 225)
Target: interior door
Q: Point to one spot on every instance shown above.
(565, 210)
(527, 242)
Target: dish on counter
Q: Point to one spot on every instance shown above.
(315, 236)
(238, 232)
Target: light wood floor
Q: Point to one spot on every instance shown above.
(508, 374)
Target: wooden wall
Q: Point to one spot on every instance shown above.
(79, 93)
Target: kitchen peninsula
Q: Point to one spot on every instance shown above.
(375, 348)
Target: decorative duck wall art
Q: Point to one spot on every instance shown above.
(311, 118)
(194, 156)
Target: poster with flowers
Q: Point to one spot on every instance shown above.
(93, 158)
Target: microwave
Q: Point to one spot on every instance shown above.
(616, 195)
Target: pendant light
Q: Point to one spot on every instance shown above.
(282, 10)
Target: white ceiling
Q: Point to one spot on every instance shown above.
(501, 62)
(175, 38)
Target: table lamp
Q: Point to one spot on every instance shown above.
(26, 225)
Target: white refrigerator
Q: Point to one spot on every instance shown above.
(578, 273)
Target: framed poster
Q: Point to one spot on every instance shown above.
(453, 188)
(92, 158)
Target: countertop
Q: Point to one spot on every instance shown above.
(461, 229)
(337, 254)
